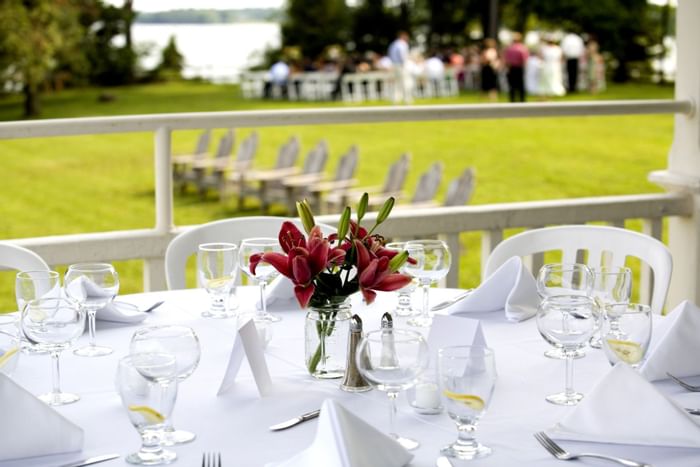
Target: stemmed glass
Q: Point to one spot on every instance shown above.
(93, 286)
(564, 279)
(392, 360)
(264, 272)
(9, 343)
(467, 377)
(32, 285)
(216, 266)
(626, 333)
(149, 405)
(432, 264)
(611, 285)
(180, 342)
(567, 322)
(404, 306)
(53, 324)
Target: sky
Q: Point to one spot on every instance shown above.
(163, 5)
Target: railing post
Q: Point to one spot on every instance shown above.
(489, 240)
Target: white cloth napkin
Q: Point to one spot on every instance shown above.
(624, 408)
(511, 288)
(31, 428)
(344, 440)
(279, 294)
(121, 312)
(676, 345)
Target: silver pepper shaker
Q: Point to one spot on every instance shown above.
(353, 381)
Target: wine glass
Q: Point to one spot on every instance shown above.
(567, 322)
(432, 264)
(149, 405)
(180, 342)
(264, 272)
(53, 324)
(93, 286)
(31, 285)
(392, 360)
(611, 285)
(564, 279)
(626, 333)
(216, 266)
(467, 377)
(9, 343)
(404, 306)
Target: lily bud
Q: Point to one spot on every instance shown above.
(344, 224)
(397, 261)
(386, 210)
(362, 207)
(307, 219)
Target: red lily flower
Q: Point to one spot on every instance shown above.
(378, 276)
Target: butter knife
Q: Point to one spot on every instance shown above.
(91, 460)
(295, 421)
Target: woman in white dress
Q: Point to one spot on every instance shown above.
(552, 76)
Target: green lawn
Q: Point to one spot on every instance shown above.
(105, 182)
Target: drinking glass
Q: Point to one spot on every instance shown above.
(467, 377)
(149, 405)
(564, 279)
(31, 285)
(93, 286)
(567, 322)
(611, 285)
(9, 343)
(432, 264)
(182, 343)
(264, 272)
(626, 333)
(53, 324)
(216, 266)
(392, 360)
(404, 306)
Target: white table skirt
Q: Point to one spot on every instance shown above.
(236, 424)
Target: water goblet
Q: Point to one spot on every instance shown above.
(611, 285)
(31, 285)
(149, 405)
(183, 344)
(566, 322)
(564, 279)
(9, 343)
(217, 270)
(93, 286)
(467, 377)
(626, 333)
(392, 360)
(53, 324)
(432, 263)
(264, 272)
(404, 306)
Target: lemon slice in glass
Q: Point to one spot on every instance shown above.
(473, 402)
(627, 351)
(218, 282)
(5, 358)
(149, 414)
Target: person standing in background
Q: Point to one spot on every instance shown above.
(573, 48)
(515, 57)
(398, 53)
(489, 69)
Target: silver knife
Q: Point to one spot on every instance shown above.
(693, 411)
(295, 421)
(91, 460)
(452, 301)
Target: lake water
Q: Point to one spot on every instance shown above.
(218, 52)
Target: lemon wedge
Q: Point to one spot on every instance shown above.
(218, 282)
(5, 358)
(149, 414)
(475, 403)
(627, 351)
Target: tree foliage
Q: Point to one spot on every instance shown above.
(313, 25)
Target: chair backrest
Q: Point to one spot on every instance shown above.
(225, 145)
(247, 149)
(428, 184)
(227, 230)
(316, 159)
(288, 153)
(203, 142)
(600, 242)
(460, 190)
(20, 259)
(396, 177)
(347, 164)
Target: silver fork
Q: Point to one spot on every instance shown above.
(557, 451)
(685, 385)
(211, 459)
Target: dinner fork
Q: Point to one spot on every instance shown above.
(685, 385)
(557, 451)
(211, 459)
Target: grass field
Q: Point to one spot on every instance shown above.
(105, 182)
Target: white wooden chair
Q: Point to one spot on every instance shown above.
(461, 189)
(197, 172)
(20, 259)
(227, 230)
(182, 161)
(428, 184)
(341, 182)
(220, 166)
(609, 246)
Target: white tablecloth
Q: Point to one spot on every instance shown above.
(236, 424)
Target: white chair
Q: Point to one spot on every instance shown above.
(227, 230)
(615, 243)
(20, 259)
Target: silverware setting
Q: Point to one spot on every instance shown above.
(153, 307)
(685, 385)
(91, 460)
(693, 411)
(561, 454)
(295, 421)
(211, 459)
(452, 301)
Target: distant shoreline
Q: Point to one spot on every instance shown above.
(210, 16)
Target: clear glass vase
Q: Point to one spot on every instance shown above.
(326, 339)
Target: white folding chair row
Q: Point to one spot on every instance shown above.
(370, 86)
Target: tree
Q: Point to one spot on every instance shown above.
(171, 62)
(313, 25)
(374, 26)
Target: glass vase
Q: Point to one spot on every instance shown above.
(326, 339)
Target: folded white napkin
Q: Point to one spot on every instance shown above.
(279, 294)
(121, 312)
(624, 408)
(344, 440)
(83, 287)
(511, 288)
(31, 428)
(676, 345)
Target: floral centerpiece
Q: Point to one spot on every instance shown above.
(325, 271)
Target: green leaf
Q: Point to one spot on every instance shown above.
(344, 224)
(397, 261)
